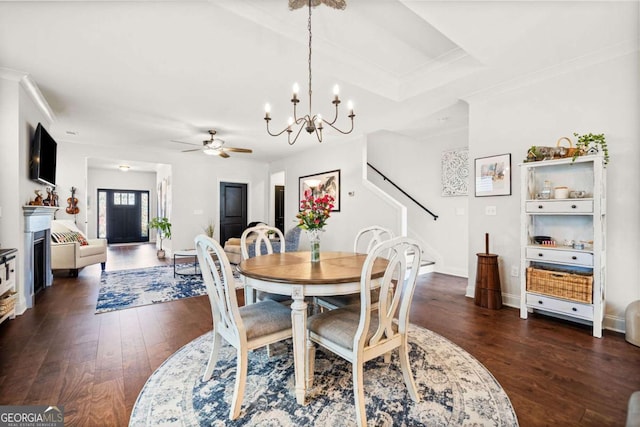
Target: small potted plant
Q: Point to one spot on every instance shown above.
(210, 229)
(163, 227)
(590, 144)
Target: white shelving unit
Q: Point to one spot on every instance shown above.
(581, 220)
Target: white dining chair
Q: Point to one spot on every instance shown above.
(364, 241)
(359, 334)
(369, 237)
(255, 241)
(245, 328)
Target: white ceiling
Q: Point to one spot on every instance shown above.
(147, 72)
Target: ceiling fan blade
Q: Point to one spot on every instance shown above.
(238, 150)
(193, 149)
(181, 142)
(223, 155)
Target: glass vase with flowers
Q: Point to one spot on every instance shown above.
(313, 216)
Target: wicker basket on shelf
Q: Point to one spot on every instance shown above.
(570, 151)
(571, 286)
(7, 302)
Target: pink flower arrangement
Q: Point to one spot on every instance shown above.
(314, 212)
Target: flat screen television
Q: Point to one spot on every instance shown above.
(44, 151)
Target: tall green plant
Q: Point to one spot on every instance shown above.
(163, 226)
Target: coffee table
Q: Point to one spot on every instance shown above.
(184, 253)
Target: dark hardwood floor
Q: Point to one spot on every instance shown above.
(61, 353)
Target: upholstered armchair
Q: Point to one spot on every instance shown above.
(70, 249)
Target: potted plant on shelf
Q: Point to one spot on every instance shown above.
(590, 144)
(163, 227)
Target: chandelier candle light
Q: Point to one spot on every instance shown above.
(312, 123)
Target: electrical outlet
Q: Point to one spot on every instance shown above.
(515, 271)
(490, 210)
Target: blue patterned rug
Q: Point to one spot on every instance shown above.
(143, 286)
(455, 390)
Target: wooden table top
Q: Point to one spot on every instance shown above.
(297, 268)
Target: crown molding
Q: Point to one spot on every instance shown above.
(31, 87)
(606, 54)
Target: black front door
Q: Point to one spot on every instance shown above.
(233, 210)
(279, 208)
(125, 216)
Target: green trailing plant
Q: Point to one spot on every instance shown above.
(163, 226)
(589, 141)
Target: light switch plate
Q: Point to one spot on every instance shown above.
(490, 210)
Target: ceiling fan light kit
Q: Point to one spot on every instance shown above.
(310, 122)
(215, 146)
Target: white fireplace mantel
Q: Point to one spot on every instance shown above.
(36, 219)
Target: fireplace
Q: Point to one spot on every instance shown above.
(39, 261)
(37, 254)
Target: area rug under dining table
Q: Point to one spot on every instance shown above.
(455, 389)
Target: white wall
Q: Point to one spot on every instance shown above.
(602, 98)
(415, 166)
(362, 209)
(10, 199)
(20, 114)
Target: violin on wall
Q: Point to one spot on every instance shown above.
(72, 208)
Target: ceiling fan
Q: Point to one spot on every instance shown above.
(215, 146)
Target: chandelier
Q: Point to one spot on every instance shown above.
(312, 123)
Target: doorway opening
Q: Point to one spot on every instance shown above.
(277, 200)
(123, 215)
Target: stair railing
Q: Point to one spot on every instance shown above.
(435, 217)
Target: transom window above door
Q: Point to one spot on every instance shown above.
(124, 198)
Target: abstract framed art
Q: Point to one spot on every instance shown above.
(493, 175)
(320, 184)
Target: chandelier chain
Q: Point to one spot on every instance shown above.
(309, 26)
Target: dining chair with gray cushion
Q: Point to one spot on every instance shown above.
(359, 334)
(245, 328)
(365, 240)
(256, 241)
